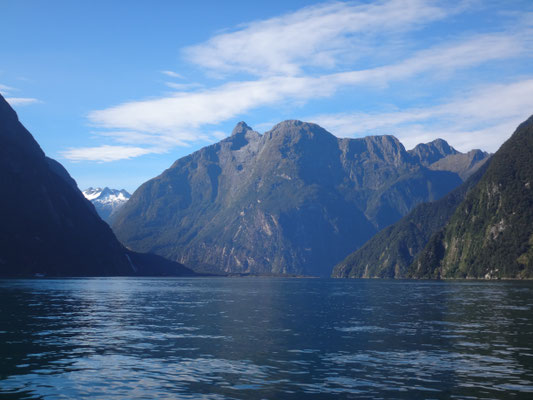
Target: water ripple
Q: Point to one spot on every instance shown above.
(265, 339)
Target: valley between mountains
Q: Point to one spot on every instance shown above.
(295, 200)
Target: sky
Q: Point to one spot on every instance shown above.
(118, 90)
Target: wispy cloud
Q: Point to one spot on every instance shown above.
(312, 54)
(182, 87)
(484, 118)
(107, 153)
(181, 115)
(6, 89)
(172, 74)
(16, 101)
(21, 101)
(317, 36)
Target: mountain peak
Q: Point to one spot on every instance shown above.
(240, 128)
(292, 124)
(106, 201)
(433, 151)
(295, 128)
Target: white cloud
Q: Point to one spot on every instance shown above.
(107, 153)
(6, 89)
(182, 87)
(481, 118)
(172, 74)
(316, 36)
(21, 101)
(182, 114)
(154, 140)
(177, 114)
(297, 57)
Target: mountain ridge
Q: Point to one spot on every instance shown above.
(294, 200)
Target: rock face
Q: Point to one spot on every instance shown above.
(440, 156)
(463, 164)
(490, 234)
(47, 226)
(106, 201)
(391, 251)
(295, 200)
(429, 153)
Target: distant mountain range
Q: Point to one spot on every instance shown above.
(47, 226)
(295, 200)
(483, 229)
(106, 201)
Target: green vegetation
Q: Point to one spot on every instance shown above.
(490, 233)
(391, 251)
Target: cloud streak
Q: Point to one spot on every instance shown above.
(181, 115)
(6, 89)
(311, 54)
(317, 36)
(480, 118)
(21, 101)
(107, 153)
(172, 74)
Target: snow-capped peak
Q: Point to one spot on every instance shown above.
(106, 201)
(92, 193)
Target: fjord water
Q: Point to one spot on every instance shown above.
(265, 338)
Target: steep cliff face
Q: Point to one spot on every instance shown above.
(391, 251)
(490, 234)
(47, 226)
(294, 200)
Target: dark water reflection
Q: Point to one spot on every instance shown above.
(262, 338)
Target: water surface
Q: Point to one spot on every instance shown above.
(265, 338)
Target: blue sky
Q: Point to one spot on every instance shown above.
(118, 90)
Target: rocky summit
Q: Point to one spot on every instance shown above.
(295, 200)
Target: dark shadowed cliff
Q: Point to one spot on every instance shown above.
(47, 226)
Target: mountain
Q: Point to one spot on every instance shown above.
(390, 252)
(462, 164)
(106, 201)
(490, 234)
(48, 227)
(438, 155)
(295, 200)
(429, 153)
